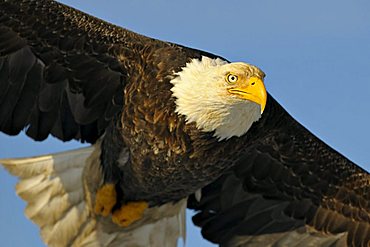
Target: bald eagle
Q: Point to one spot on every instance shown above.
(171, 127)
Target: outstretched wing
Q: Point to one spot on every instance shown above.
(288, 189)
(63, 72)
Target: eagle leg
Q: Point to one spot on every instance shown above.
(129, 213)
(108, 194)
(106, 198)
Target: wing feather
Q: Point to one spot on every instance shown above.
(287, 189)
(60, 70)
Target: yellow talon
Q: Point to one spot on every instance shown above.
(106, 198)
(129, 213)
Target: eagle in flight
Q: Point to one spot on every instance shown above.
(170, 127)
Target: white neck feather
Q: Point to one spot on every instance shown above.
(201, 97)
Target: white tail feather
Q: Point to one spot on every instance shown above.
(53, 187)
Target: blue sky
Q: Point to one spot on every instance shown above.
(316, 55)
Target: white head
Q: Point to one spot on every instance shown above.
(220, 96)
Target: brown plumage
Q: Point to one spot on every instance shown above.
(287, 180)
(68, 74)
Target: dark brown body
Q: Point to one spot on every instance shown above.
(73, 76)
(169, 158)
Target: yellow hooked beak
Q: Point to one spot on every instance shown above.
(254, 91)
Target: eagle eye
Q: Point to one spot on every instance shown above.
(231, 78)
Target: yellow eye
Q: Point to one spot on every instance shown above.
(231, 78)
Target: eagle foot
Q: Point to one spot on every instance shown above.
(129, 213)
(106, 198)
